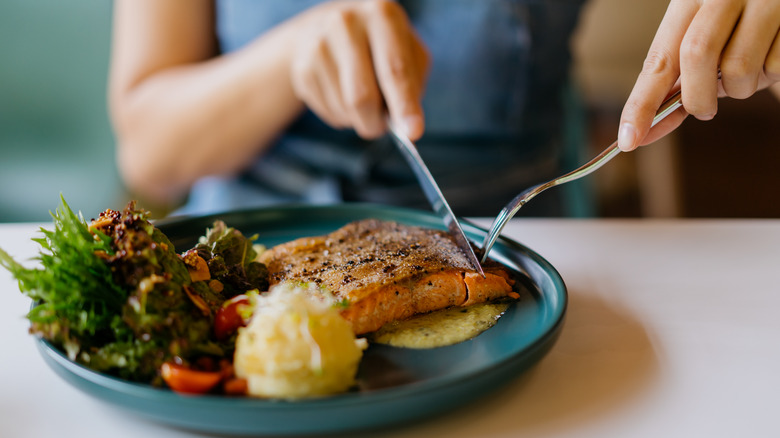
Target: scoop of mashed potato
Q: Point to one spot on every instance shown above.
(296, 346)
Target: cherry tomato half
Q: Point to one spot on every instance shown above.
(230, 317)
(183, 379)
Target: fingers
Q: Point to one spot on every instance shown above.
(330, 87)
(667, 125)
(700, 54)
(400, 62)
(315, 81)
(362, 100)
(362, 59)
(743, 60)
(772, 63)
(697, 40)
(659, 74)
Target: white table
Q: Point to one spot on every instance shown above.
(672, 331)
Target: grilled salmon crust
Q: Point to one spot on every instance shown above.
(386, 271)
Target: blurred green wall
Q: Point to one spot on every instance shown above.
(54, 131)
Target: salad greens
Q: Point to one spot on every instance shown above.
(116, 296)
(231, 256)
(80, 303)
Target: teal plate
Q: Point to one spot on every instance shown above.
(396, 385)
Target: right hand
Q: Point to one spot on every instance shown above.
(357, 60)
(695, 41)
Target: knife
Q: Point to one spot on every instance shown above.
(433, 193)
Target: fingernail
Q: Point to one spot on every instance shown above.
(706, 117)
(413, 126)
(627, 137)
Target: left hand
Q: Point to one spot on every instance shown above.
(696, 39)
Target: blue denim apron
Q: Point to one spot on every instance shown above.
(493, 106)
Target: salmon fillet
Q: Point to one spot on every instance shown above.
(386, 271)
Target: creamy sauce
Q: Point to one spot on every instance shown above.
(440, 328)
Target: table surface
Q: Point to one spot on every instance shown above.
(672, 331)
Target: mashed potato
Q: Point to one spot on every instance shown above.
(297, 345)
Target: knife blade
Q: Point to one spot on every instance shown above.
(433, 193)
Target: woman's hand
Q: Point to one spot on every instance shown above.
(696, 40)
(197, 113)
(357, 60)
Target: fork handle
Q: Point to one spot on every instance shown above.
(669, 106)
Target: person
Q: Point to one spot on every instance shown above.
(237, 103)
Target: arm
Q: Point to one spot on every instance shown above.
(181, 113)
(176, 108)
(695, 40)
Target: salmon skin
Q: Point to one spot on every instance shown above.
(384, 271)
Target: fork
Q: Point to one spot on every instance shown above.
(669, 106)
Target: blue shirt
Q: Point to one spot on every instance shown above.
(493, 106)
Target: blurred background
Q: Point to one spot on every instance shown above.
(55, 136)
(54, 131)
